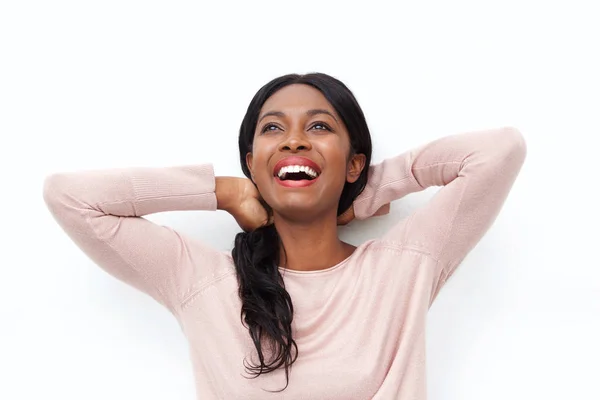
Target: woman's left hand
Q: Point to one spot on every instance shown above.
(346, 217)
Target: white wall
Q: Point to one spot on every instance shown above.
(146, 83)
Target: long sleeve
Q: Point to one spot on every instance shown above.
(476, 169)
(101, 211)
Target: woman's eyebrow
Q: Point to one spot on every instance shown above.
(321, 111)
(272, 113)
(309, 112)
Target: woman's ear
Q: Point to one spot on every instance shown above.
(355, 166)
(249, 164)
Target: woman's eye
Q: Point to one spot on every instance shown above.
(269, 128)
(321, 127)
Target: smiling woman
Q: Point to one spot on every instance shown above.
(307, 125)
(348, 321)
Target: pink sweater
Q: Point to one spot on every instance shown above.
(359, 325)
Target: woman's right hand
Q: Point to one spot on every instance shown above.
(240, 198)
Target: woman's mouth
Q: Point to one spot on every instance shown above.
(296, 172)
(296, 176)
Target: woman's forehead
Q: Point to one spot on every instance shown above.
(296, 98)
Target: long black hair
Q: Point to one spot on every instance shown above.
(267, 308)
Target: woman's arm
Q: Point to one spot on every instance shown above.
(477, 170)
(101, 211)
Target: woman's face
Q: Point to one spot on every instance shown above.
(300, 158)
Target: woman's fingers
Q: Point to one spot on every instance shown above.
(346, 216)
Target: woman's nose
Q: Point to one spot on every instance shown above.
(294, 142)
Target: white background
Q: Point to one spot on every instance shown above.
(145, 83)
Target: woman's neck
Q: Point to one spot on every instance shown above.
(311, 246)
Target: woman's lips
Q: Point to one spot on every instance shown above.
(296, 160)
(296, 184)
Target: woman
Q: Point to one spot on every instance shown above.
(294, 312)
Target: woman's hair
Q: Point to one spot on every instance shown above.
(267, 308)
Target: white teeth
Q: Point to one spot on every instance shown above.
(295, 169)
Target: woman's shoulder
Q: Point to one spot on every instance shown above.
(389, 258)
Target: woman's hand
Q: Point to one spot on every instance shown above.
(347, 216)
(240, 198)
(252, 212)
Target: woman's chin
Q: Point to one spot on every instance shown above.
(300, 210)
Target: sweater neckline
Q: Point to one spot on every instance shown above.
(342, 263)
